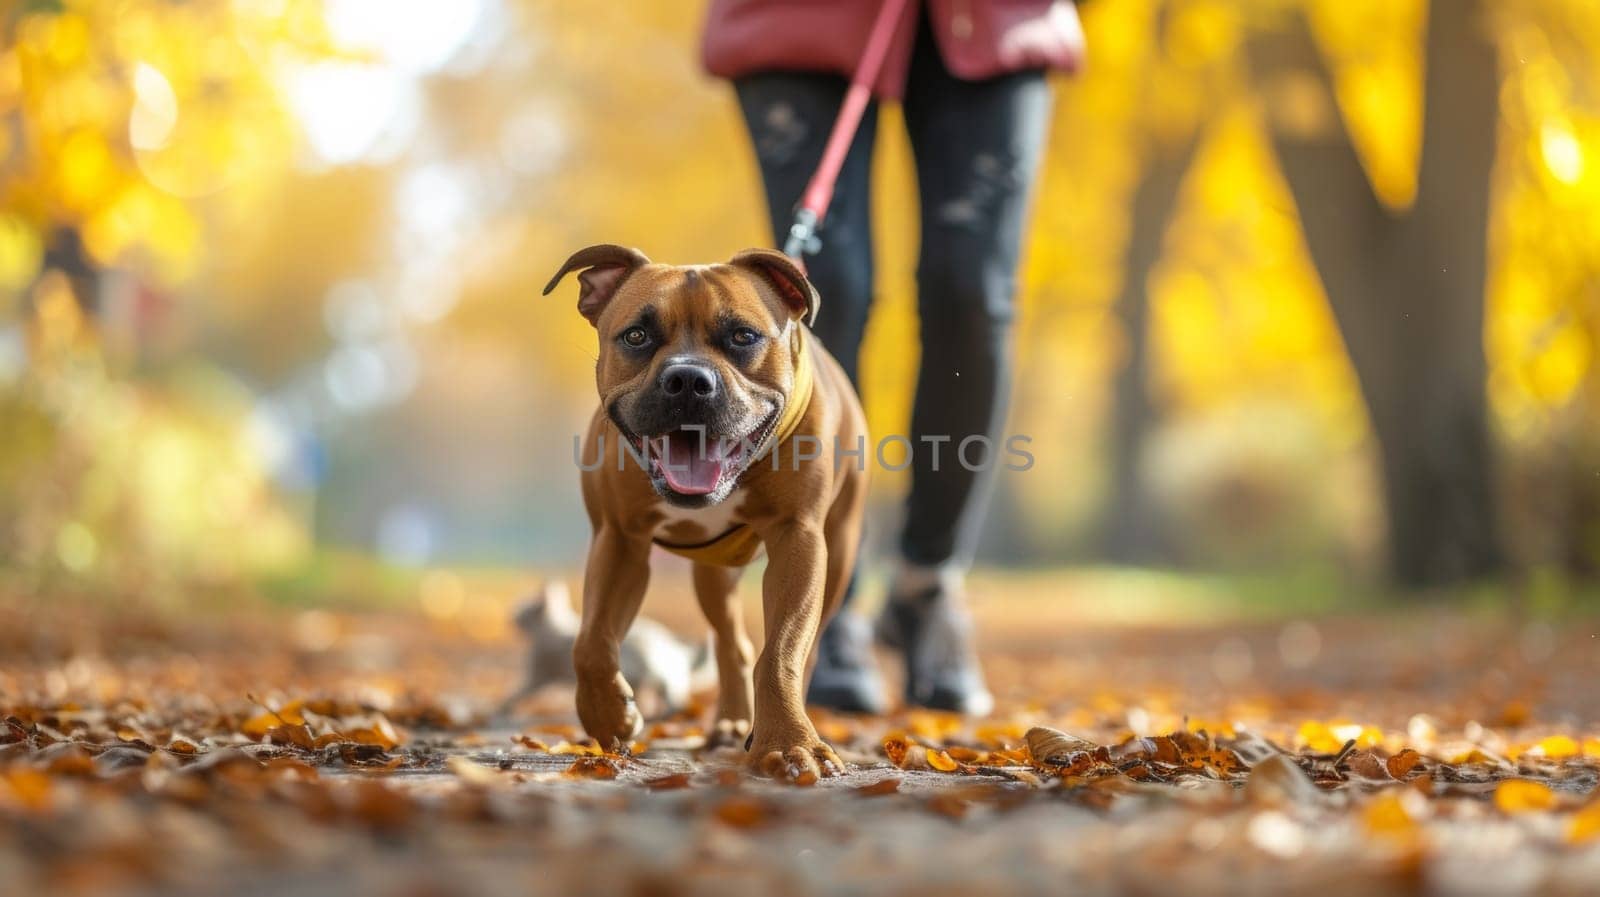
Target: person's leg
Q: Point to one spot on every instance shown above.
(789, 116)
(977, 147)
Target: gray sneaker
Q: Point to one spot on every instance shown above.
(934, 632)
(846, 677)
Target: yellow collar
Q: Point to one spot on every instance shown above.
(800, 393)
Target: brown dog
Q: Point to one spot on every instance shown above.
(719, 432)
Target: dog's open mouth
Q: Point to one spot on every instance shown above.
(690, 461)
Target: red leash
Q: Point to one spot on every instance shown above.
(819, 192)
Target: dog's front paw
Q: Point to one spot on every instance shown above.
(801, 760)
(609, 714)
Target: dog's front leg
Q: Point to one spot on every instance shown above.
(783, 741)
(613, 588)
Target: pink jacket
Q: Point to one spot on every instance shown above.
(977, 38)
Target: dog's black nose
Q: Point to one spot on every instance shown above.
(688, 379)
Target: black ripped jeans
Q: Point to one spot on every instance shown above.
(977, 147)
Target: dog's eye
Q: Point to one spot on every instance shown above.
(635, 337)
(744, 337)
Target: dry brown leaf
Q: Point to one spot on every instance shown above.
(67, 759)
(380, 806)
(879, 788)
(741, 811)
(289, 767)
(671, 782)
(471, 772)
(1367, 765)
(1057, 752)
(532, 744)
(948, 805)
(1401, 764)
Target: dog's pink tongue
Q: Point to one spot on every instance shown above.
(687, 470)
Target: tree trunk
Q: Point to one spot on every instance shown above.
(1133, 528)
(1407, 289)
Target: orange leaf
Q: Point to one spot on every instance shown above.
(379, 733)
(895, 749)
(592, 767)
(1515, 713)
(30, 788)
(1002, 735)
(296, 735)
(942, 761)
(931, 724)
(257, 727)
(1523, 796)
(1394, 812)
(70, 760)
(742, 812)
(1585, 825)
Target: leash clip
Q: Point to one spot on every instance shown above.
(802, 240)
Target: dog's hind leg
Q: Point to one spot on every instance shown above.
(716, 589)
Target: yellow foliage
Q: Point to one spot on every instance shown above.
(130, 107)
(161, 133)
(1328, 738)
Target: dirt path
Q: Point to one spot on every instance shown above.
(320, 754)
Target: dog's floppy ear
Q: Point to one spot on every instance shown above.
(797, 293)
(603, 268)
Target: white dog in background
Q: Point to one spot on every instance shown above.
(653, 659)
